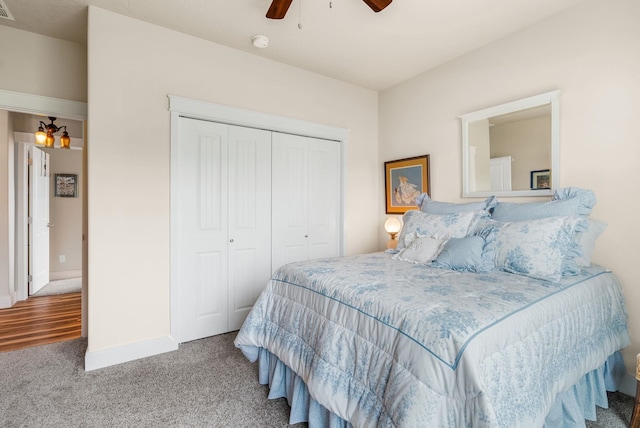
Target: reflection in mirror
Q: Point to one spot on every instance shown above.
(512, 149)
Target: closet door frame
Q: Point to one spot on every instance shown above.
(195, 109)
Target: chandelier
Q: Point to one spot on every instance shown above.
(45, 137)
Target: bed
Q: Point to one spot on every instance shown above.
(442, 335)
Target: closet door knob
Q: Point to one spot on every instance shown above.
(231, 240)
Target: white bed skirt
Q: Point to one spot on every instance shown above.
(570, 409)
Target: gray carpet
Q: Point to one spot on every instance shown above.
(61, 286)
(206, 383)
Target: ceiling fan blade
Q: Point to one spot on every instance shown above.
(278, 9)
(378, 5)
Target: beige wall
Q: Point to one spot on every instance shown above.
(590, 53)
(128, 166)
(65, 214)
(39, 65)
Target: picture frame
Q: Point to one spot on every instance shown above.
(541, 179)
(405, 179)
(66, 185)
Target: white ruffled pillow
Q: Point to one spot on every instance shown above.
(422, 250)
(454, 225)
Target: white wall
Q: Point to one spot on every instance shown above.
(131, 72)
(590, 53)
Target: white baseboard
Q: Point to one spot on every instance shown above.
(67, 274)
(628, 385)
(134, 351)
(7, 301)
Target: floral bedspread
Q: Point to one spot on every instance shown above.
(381, 342)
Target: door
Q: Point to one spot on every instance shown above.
(501, 173)
(202, 225)
(290, 199)
(223, 225)
(38, 220)
(249, 226)
(306, 198)
(324, 201)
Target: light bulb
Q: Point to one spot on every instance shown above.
(392, 226)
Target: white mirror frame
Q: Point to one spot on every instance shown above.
(551, 98)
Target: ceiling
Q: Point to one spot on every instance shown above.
(342, 39)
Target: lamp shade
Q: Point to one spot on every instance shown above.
(41, 137)
(392, 226)
(65, 141)
(49, 140)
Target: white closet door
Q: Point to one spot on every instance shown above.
(324, 200)
(290, 157)
(202, 229)
(306, 198)
(249, 208)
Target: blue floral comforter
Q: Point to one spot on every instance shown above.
(381, 342)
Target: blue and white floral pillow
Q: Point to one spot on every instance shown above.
(536, 248)
(455, 225)
(422, 250)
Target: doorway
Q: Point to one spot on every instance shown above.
(39, 107)
(49, 210)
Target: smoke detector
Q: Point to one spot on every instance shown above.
(259, 41)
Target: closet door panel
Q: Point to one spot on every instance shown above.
(290, 158)
(249, 208)
(324, 205)
(306, 198)
(202, 226)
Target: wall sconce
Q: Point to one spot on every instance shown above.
(47, 138)
(392, 226)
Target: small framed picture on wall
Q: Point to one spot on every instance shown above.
(405, 179)
(66, 185)
(541, 179)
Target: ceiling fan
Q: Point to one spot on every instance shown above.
(278, 8)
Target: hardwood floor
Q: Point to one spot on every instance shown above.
(40, 320)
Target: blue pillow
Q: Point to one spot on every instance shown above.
(433, 207)
(566, 202)
(586, 197)
(470, 254)
(586, 240)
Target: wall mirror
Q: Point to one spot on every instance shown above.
(512, 149)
